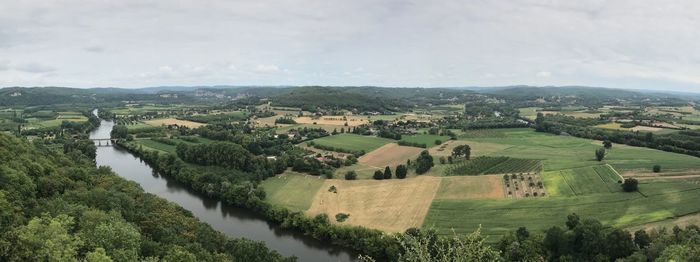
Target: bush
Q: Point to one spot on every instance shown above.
(378, 175)
(630, 185)
(340, 217)
(656, 168)
(405, 143)
(401, 172)
(350, 175)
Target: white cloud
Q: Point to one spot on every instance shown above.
(33, 68)
(625, 43)
(94, 49)
(544, 74)
(266, 68)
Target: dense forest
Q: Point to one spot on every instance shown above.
(60, 207)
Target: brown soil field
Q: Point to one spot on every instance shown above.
(333, 120)
(390, 154)
(173, 121)
(465, 187)
(390, 205)
(267, 121)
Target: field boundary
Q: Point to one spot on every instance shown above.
(567, 183)
(618, 174)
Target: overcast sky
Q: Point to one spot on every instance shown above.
(136, 43)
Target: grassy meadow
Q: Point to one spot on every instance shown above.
(575, 182)
(293, 190)
(353, 142)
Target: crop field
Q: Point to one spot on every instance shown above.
(333, 120)
(470, 187)
(497, 217)
(586, 180)
(293, 190)
(353, 142)
(493, 165)
(574, 182)
(282, 128)
(142, 109)
(390, 205)
(390, 154)
(173, 121)
(531, 113)
(566, 152)
(523, 185)
(155, 145)
(428, 140)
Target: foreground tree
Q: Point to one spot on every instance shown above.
(46, 239)
(418, 246)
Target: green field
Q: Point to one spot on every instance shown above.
(493, 165)
(428, 140)
(353, 142)
(292, 190)
(566, 152)
(156, 145)
(575, 182)
(586, 180)
(498, 217)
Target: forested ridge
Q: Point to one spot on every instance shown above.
(60, 207)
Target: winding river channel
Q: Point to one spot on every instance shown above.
(234, 222)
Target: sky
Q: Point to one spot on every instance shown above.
(640, 44)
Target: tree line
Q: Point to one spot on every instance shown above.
(57, 206)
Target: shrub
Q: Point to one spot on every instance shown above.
(378, 175)
(350, 175)
(656, 168)
(401, 172)
(340, 217)
(630, 185)
(387, 173)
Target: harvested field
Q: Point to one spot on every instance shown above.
(333, 120)
(390, 205)
(173, 121)
(471, 187)
(390, 154)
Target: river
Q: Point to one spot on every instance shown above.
(232, 221)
